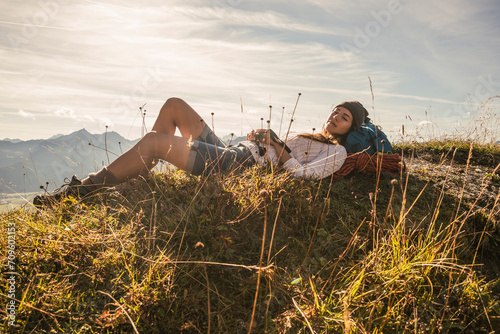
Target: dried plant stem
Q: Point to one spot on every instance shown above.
(465, 181)
(303, 315)
(290, 124)
(260, 270)
(281, 121)
(208, 293)
(274, 229)
(373, 97)
(106, 143)
(123, 309)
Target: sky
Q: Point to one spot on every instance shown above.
(428, 66)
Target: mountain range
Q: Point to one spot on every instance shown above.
(25, 165)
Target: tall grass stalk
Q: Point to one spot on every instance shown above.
(263, 194)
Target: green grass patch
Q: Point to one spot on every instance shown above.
(459, 150)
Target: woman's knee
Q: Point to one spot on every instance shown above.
(174, 103)
(175, 109)
(148, 145)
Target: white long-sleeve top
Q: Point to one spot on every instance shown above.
(309, 158)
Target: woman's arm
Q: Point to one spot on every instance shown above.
(283, 155)
(264, 137)
(329, 160)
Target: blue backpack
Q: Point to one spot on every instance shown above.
(368, 138)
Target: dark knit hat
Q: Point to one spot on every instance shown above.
(359, 113)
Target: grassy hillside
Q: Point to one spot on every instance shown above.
(258, 251)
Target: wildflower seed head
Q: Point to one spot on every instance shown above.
(263, 193)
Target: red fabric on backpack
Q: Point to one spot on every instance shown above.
(369, 164)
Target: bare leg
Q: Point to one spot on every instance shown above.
(161, 142)
(153, 146)
(177, 113)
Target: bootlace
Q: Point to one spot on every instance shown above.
(66, 184)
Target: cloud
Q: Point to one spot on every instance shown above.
(65, 113)
(23, 113)
(69, 113)
(262, 19)
(88, 118)
(104, 121)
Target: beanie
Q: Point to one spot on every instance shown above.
(359, 113)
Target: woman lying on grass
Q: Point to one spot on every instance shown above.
(305, 155)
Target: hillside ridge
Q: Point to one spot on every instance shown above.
(259, 251)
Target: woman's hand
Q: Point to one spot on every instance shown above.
(263, 136)
(251, 136)
(260, 136)
(279, 146)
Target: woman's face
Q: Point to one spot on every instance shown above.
(339, 122)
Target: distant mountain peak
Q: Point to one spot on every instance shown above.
(81, 132)
(12, 140)
(55, 136)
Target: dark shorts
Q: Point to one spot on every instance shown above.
(209, 155)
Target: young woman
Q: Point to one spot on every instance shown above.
(199, 151)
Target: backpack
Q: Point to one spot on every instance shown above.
(368, 138)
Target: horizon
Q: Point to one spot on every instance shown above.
(135, 139)
(83, 129)
(61, 135)
(431, 67)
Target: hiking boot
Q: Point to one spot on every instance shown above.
(72, 188)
